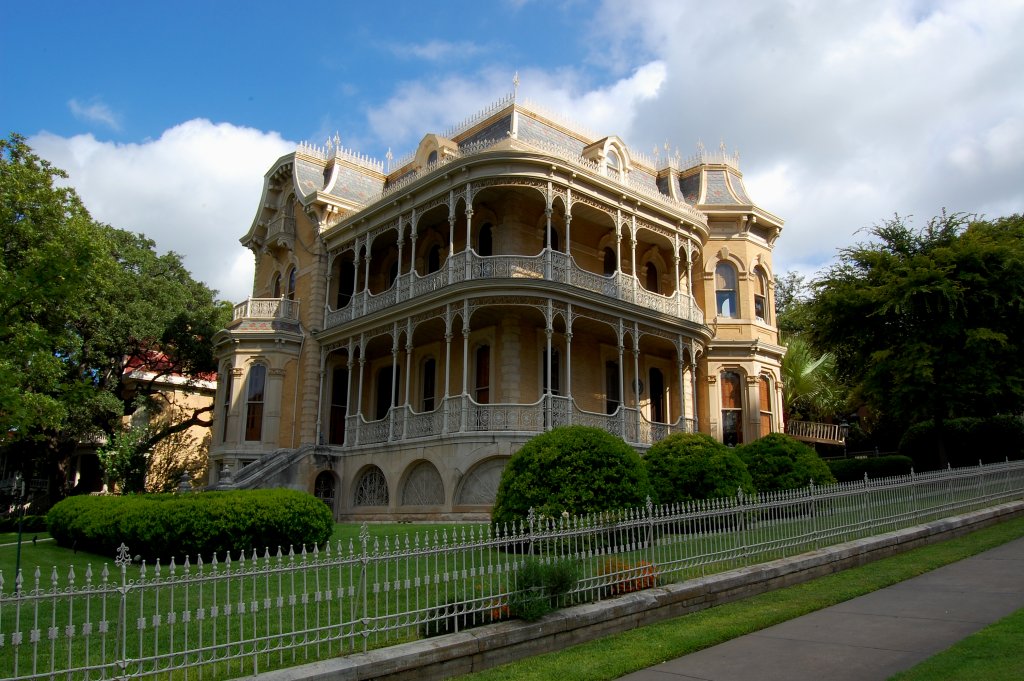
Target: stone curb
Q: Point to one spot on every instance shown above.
(495, 644)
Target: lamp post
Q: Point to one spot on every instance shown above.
(18, 490)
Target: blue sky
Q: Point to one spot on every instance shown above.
(166, 115)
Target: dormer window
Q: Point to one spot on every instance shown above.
(613, 166)
(432, 158)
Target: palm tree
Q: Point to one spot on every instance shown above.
(810, 387)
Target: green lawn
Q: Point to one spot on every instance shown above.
(614, 656)
(995, 653)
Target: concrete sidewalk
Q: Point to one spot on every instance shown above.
(871, 637)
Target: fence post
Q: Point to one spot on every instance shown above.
(814, 515)
(649, 506)
(364, 540)
(122, 561)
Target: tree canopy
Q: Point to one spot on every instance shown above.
(83, 303)
(925, 323)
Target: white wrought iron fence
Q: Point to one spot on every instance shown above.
(239, 615)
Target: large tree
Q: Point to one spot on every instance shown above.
(925, 323)
(83, 305)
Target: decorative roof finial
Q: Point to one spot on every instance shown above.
(390, 157)
(515, 84)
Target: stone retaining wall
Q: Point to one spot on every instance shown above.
(494, 644)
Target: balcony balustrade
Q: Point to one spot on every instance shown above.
(267, 308)
(460, 414)
(550, 266)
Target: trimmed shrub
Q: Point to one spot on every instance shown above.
(159, 526)
(777, 461)
(542, 587)
(967, 440)
(574, 469)
(691, 466)
(847, 470)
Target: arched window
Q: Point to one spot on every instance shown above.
(485, 241)
(432, 158)
(651, 280)
(372, 488)
(339, 406)
(429, 384)
(725, 290)
(291, 284)
(656, 384)
(766, 406)
(610, 261)
(612, 399)
(434, 258)
(482, 385)
(760, 295)
(732, 408)
(229, 386)
(323, 488)
(254, 402)
(276, 286)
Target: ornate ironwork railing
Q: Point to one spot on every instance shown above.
(460, 414)
(242, 614)
(554, 266)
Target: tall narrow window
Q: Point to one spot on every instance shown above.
(553, 385)
(766, 406)
(427, 402)
(612, 399)
(760, 295)
(291, 284)
(346, 283)
(339, 406)
(392, 273)
(482, 388)
(725, 290)
(732, 408)
(609, 261)
(277, 286)
(651, 278)
(323, 488)
(485, 242)
(553, 240)
(656, 384)
(229, 386)
(434, 258)
(254, 402)
(385, 397)
(612, 164)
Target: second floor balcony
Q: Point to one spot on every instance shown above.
(549, 265)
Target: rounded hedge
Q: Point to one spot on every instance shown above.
(777, 461)
(691, 466)
(159, 526)
(848, 470)
(573, 469)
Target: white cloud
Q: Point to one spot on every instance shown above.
(437, 50)
(420, 107)
(866, 108)
(194, 190)
(95, 112)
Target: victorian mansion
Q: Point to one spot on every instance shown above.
(412, 324)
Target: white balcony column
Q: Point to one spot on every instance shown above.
(682, 386)
(359, 403)
(398, 279)
(636, 384)
(568, 367)
(547, 244)
(447, 372)
(469, 244)
(451, 246)
(320, 395)
(465, 366)
(408, 378)
(678, 291)
(622, 384)
(348, 389)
